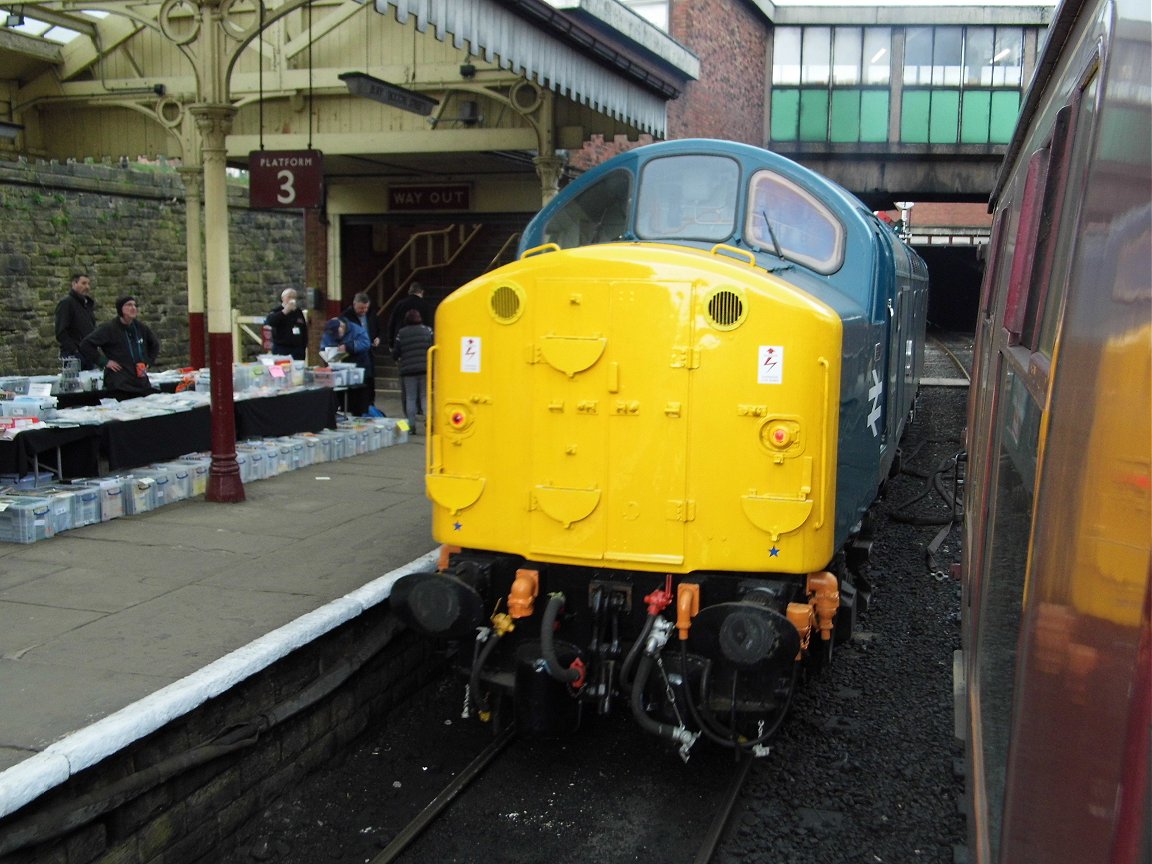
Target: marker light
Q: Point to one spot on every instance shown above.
(458, 416)
(780, 434)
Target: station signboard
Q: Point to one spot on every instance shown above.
(285, 179)
(433, 196)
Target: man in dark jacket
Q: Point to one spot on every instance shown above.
(76, 318)
(362, 313)
(289, 327)
(398, 318)
(129, 348)
(411, 352)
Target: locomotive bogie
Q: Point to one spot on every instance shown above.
(742, 641)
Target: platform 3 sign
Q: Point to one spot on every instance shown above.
(285, 179)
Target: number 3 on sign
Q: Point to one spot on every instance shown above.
(287, 193)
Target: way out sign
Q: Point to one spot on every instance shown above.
(285, 179)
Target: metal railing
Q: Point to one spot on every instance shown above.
(423, 251)
(498, 258)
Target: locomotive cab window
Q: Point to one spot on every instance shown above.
(688, 198)
(789, 222)
(599, 214)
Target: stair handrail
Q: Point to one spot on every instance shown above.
(513, 240)
(411, 249)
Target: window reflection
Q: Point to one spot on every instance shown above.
(597, 215)
(688, 198)
(1018, 426)
(784, 219)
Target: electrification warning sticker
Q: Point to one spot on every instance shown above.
(470, 354)
(771, 368)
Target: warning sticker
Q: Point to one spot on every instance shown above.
(470, 354)
(771, 369)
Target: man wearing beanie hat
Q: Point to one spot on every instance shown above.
(351, 339)
(128, 347)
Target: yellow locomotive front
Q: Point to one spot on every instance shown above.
(636, 407)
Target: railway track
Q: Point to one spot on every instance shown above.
(438, 808)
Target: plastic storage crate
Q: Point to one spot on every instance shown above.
(199, 468)
(180, 479)
(111, 495)
(60, 500)
(25, 519)
(316, 450)
(139, 494)
(163, 489)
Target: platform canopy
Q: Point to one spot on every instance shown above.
(510, 79)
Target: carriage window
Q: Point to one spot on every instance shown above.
(784, 219)
(688, 198)
(1047, 317)
(597, 215)
(1017, 431)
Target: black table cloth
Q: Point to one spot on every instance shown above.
(286, 414)
(73, 449)
(123, 444)
(131, 443)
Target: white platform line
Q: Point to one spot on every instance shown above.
(25, 781)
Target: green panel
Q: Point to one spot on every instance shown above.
(785, 114)
(914, 116)
(1005, 110)
(874, 115)
(845, 115)
(944, 119)
(974, 119)
(814, 115)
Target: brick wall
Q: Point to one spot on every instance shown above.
(125, 227)
(190, 816)
(730, 37)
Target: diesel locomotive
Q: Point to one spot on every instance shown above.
(654, 439)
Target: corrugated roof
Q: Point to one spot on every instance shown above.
(558, 51)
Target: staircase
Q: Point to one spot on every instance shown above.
(442, 260)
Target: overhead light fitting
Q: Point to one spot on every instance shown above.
(14, 19)
(10, 130)
(361, 84)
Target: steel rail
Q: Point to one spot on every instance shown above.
(412, 830)
(720, 820)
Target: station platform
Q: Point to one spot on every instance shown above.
(110, 631)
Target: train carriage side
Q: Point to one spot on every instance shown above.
(1055, 690)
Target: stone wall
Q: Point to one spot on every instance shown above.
(124, 226)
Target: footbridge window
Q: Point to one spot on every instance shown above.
(954, 85)
(831, 83)
(961, 84)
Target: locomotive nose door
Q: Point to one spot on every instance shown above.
(647, 399)
(608, 463)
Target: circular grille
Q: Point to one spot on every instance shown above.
(726, 309)
(505, 304)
